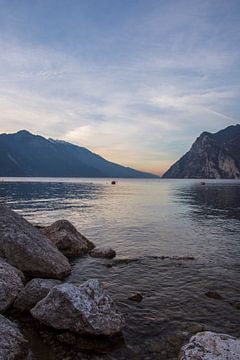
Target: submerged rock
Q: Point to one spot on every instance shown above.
(26, 248)
(10, 284)
(213, 295)
(67, 239)
(84, 309)
(13, 345)
(137, 296)
(208, 345)
(103, 252)
(34, 291)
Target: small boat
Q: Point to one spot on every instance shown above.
(203, 183)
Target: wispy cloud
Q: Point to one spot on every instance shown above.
(138, 95)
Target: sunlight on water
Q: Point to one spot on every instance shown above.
(144, 220)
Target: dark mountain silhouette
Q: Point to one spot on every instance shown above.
(25, 154)
(212, 156)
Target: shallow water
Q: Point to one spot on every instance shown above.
(144, 220)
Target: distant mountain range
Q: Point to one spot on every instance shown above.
(212, 156)
(25, 154)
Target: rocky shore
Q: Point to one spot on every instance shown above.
(34, 266)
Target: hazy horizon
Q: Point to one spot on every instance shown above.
(133, 81)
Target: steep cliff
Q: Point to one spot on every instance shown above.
(212, 156)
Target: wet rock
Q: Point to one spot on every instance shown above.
(10, 284)
(33, 292)
(235, 304)
(67, 239)
(103, 252)
(84, 309)
(211, 346)
(96, 344)
(13, 345)
(26, 248)
(137, 296)
(213, 295)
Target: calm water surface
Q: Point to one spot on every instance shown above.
(144, 220)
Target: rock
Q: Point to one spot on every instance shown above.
(213, 295)
(34, 291)
(137, 296)
(10, 284)
(103, 252)
(83, 309)
(67, 239)
(208, 345)
(12, 343)
(26, 248)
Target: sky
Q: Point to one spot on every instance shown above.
(135, 81)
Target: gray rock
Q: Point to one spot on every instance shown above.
(26, 248)
(10, 284)
(84, 309)
(67, 239)
(103, 252)
(208, 345)
(13, 346)
(34, 291)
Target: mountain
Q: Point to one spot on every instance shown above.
(212, 156)
(25, 154)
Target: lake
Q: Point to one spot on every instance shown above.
(149, 222)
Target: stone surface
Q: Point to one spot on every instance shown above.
(67, 239)
(137, 296)
(13, 346)
(26, 248)
(34, 291)
(212, 156)
(211, 346)
(10, 284)
(84, 309)
(103, 252)
(213, 295)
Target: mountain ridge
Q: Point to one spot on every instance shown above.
(25, 154)
(212, 155)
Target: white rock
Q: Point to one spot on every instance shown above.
(84, 309)
(211, 346)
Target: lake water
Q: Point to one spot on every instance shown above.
(144, 220)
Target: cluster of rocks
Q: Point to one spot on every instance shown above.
(33, 265)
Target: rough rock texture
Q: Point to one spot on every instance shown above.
(211, 346)
(34, 291)
(13, 346)
(10, 284)
(103, 252)
(26, 248)
(67, 239)
(212, 156)
(84, 309)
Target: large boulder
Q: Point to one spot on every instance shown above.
(67, 239)
(13, 345)
(211, 346)
(26, 248)
(103, 252)
(10, 284)
(34, 291)
(84, 309)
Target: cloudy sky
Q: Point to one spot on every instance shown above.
(133, 80)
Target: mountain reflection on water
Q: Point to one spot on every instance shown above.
(144, 220)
